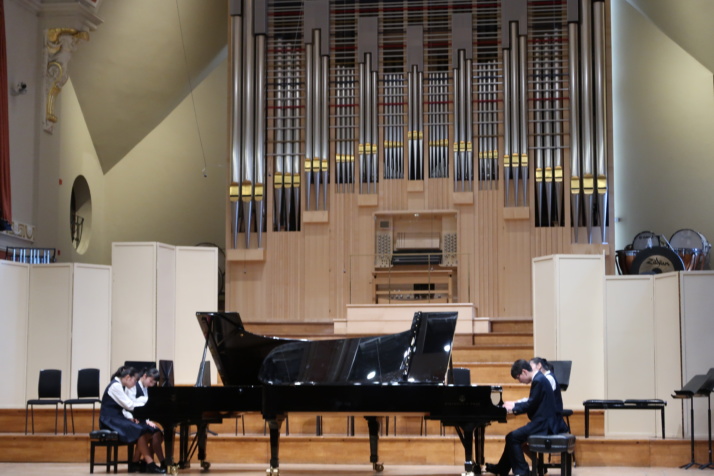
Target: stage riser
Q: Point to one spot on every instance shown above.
(504, 338)
(301, 424)
(392, 450)
(496, 353)
(524, 326)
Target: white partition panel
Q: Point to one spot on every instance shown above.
(571, 291)
(667, 351)
(49, 324)
(196, 290)
(629, 353)
(91, 322)
(697, 314)
(138, 268)
(545, 307)
(14, 296)
(166, 303)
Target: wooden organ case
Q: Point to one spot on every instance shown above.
(478, 130)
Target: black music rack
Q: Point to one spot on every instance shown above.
(30, 255)
(698, 386)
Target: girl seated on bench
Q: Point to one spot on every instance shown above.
(114, 401)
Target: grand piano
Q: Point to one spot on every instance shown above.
(407, 372)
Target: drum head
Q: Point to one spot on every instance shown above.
(656, 260)
(687, 238)
(645, 239)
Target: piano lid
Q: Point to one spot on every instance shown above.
(236, 352)
(420, 355)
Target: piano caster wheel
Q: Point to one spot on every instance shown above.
(378, 467)
(205, 465)
(172, 469)
(272, 471)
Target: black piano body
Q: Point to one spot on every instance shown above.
(405, 372)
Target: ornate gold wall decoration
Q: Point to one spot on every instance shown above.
(60, 43)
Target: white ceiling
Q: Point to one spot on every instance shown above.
(136, 67)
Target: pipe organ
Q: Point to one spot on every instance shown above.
(477, 109)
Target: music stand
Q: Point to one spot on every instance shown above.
(708, 387)
(166, 373)
(694, 388)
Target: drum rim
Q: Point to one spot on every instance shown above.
(705, 242)
(653, 235)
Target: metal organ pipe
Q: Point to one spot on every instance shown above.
(600, 113)
(468, 120)
(316, 89)
(279, 172)
(506, 125)
(587, 112)
(360, 149)
(309, 120)
(260, 123)
(249, 107)
(523, 111)
(575, 183)
(515, 111)
(236, 126)
(325, 122)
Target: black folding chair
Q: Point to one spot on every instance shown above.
(87, 394)
(49, 392)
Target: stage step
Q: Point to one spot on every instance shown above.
(492, 353)
(419, 450)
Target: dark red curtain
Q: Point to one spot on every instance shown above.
(5, 196)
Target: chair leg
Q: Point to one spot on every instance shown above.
(92, 447)
(71, 413)
(116, 457)
(56, 416)
(26, 412)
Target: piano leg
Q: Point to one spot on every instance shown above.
(169, 429)
(470, 435)
(184, 460)
(202, 439)
(373, 426)
(274, 425)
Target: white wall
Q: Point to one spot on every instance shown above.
(663, 110)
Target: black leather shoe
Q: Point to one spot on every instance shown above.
(493, 469)
(133, 467)
(153, 469)
(142, 466)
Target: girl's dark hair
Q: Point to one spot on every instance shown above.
(123, 371)
(152, 372)
(544, 363)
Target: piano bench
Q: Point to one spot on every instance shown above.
(110, 440)
(563, 443)
(631, 404)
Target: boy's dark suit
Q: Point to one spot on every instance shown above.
(541, 409)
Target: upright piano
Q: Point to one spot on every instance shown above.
(407, 372)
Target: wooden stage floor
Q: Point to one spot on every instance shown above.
(65, 469)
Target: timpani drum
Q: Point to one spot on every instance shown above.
(644, 240)
(692, 247)
(624, 259)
